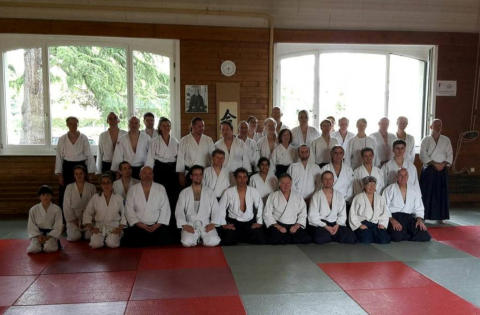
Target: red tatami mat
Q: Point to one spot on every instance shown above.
(182, 258)
(11, 287)
(471, 247)
(455, 233)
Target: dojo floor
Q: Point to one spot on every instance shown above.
(440, 277)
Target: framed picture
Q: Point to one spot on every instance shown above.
(196, 98)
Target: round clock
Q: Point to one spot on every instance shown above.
(228, 68)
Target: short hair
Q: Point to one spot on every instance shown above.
(240, 170)
(281, 134)
(344, 118)
(162, 120)
(366, 149)
(263, 159)
(303, 146)
(326, 172)
(362, 120)
(228, 123)
(368, 179)
(195, 167)
(148, 114)
(303, 111)
(398, 142)
(337, 146)
(122, 164)
(284, 175)
(270, 119)
(194, 120)
(44, 190)
(331, 118)
(108, 174)
(70, 118)
(218, 151)
(326, 121)
(250, 118)
(80, 167)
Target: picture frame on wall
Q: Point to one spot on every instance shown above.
(196, 98)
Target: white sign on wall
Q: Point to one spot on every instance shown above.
(446, 88)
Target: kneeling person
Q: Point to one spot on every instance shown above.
(327, 214)
(406, 206)
(285, 215)
(104, 216)
(238, 205)
(196, 212)
(45, 223)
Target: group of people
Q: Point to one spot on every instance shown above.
(278, 186)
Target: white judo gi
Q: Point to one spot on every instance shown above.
(343, 183)
(440, 151)
(218, 183)
(38, 219)
(124, 151)
(159, 150)
(361, 210)
(74, 206)
(230, 206)
(304, 179)
(154, 210)
(320, 150)
(353, 156)
(237, 156)
(266, 187)
(74, 152)
(341, 141)
(278, 210)
(383, 152)
(263, 148)
(391, 168)
(395, 203)
(320, 210)
(360, 172)
(120, 190)
(106, 148)
(297, 136)
(191, 153)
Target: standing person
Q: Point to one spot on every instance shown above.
(104, 216)
(193, 149)
(149, 122)
(322, 146)
(268, 142)
(342, 135)
(125, 182)
(217, 177)
(390, 169)
(369, 215)
(236, 153)
(332, 125)
(132, 147)
(436, 154)
(197, 212)
(77, 195)
(45, 223)
(327, 214)
(73, 149)
(357, 143)
(264, 181)
(384, 141)
(241, 209)
(285, 215)
(107, 142)
(162, 157)
(402, 123)
(253, 128)
(342, 174)
(304, 173)
(250, 144)
(367, 169)
(277, 115)
(284, 153)
(303, 134)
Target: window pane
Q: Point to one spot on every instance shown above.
(297, 87)
(24, 97)
(151, 73)
(406, 86)
(353, 85)
(87, 82)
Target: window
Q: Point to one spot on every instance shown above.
(355, 81)
(51, 78)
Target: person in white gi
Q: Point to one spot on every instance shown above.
(132, 147)
(369, 215)
(269, 141)
(45, 224)
(277, 115)
(285, 215)
(342, 135)
(250, 144)
(402, 123)
(236, 153)
(107, 142)
(437, 156)
(384, 141)
(342, 174)
(197, 212)
(321, 147)
(332, 123)
(253, 133)
(148, 213)
(193, 149)
(305, 174)
(284, 154)
(367, 169)
(149, 123)
(217, 177)
(264, 181)
(390, 169)
(77, 195)
(125, 182)
(241, 210)
(104, 216)
(357, 143)
(406, 207)
(303, 134)
(327, 214)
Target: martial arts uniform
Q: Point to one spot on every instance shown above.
(230, 213)
(282, 158)
(434, 184)
(320, 215)
(152, 211)
(390, 170)
(106, 218)
(343, 183)
(286, 213)
(198, 214)
(252, 152)
(237, 156)
(120, 190)
(353, 155)
(191, 153)
(304, 179)
(383, 151)
(410, 148)
(124, 152)
(361, 172)
(341, 141)
(105, 150)
(266, 187)
(263, 148)
(282, 126)
(218, 183)
(361, 212)
(74, 205)
(297, 136)
(320, 150)
(405, 212)
(154, 134)
(256, 136)
(48, 223)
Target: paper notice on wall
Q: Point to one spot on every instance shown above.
(446, 88)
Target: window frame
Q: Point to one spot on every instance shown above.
(166, 47)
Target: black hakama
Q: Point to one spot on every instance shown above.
(321, 236)
(434, 187)
(275, 237)
(243, 233)
(106, 166)
(281, 169)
